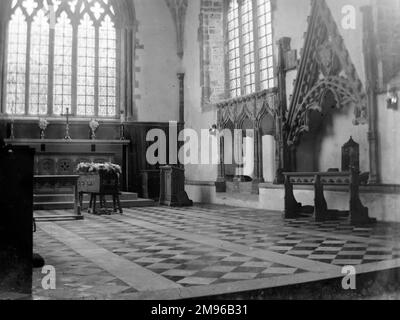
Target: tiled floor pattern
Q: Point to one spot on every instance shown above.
(76, 276)
(199, 251)
(283, 238)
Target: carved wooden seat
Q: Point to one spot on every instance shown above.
(358, 213)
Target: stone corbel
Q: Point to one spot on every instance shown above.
(178, 10)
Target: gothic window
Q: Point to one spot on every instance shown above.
(249, 46)
(62, 54)
(17, 63)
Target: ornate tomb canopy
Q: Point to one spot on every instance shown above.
(252, 107)
(325, 70)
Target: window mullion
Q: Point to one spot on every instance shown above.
(28, 64)
(256, 47)
(241, 53)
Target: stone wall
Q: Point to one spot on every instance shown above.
(157, 63)
(211, 52)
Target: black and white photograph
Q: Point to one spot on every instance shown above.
(199, 155)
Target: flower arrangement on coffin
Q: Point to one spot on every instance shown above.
(99, 177)
(93, 125)
(108, 167)
(43, 124)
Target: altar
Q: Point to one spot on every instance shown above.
(61, 157)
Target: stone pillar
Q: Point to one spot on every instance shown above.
(371, 71)
(128, 80)
(181, 78)
(220, 184)
(258, 165)
(238, 151)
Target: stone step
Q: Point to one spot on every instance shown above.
(70, 205)
(45, 198)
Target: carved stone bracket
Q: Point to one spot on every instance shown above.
(178, 10)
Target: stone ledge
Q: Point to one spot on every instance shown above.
(200, 183)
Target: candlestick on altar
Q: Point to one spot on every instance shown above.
(122, 127)
(67, 136)
(13, 108)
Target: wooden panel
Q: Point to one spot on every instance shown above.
(16, 203)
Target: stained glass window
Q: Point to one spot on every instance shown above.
(250, 47)
(234, 50)
(17, 43)
(39, 65)
(62, 54)
(265, 44)
(107, 68)
(62, 65)
(86, 67)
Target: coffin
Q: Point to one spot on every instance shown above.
(101, 182)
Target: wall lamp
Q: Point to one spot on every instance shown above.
(392, 99)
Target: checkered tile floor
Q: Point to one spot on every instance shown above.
(207, 247)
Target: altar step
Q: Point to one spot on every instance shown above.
(66, 201)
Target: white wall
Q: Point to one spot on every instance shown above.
(389, 142)
(159, 62)
(195, 118)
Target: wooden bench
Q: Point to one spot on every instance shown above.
(70, 180)
(358, 213)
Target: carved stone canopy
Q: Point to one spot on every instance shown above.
(325, 66)
(253, 107)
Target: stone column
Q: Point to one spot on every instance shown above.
(181, 78)
(371, 71)
(128, 72)
(258, 176)
(220, 184)
(238, 151)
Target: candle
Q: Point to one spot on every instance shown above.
(13, 108)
